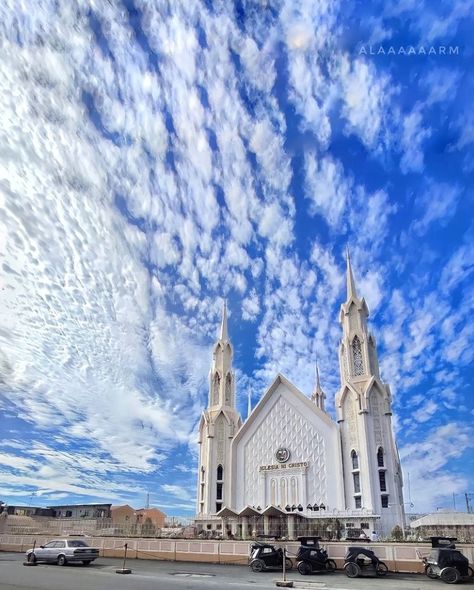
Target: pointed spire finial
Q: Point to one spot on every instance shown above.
(318, 395)
(318, 382)
(224, 335)
(351, 290)
(249, 403)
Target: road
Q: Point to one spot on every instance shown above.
(164, 575)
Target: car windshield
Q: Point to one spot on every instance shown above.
(77, 544)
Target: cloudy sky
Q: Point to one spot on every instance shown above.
(156, 157)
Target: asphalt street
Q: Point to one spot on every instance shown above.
(147, 575)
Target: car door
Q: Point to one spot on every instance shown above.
(59, 547)
(45, 552)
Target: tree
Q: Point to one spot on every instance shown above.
(397, 533)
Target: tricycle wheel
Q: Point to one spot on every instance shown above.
(288, 564)
(304, 568)
(382, 569)
(352, 570)
(429, 571)
(450, 575)
(331, 565)
(257, 566)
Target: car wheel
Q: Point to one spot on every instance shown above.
(304, 568)
(288, 564)
(382, 569)
(331, 565)
(257, 566)
(87, 562)
(31, 558)
(352, 570)
(62, 560)
(470, 572)
(450, 575)
(429, 571)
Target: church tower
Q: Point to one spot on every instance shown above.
(371, 465)
(218, 426)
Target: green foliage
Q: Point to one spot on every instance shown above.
(397, 533)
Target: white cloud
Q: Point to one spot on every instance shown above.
(176, 491)
(413, 135)
(327, 187)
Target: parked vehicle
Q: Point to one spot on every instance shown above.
(446, 562)
(264, 556)
(63, 551)
(312, 558)
(363, 562)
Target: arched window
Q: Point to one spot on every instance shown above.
(215, 389)
(220, 473)
(380, 457)
(355, 460)
(357, 356)
(228, 384)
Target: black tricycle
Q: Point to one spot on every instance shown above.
(446, 562)
(264, 556)
(311, 558)
(363, 562)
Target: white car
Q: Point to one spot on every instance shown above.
(62, 551)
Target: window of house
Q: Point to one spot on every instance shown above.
(383, 483)
(219, 491)
(380, 457)
(349, 525)
(364, 525)
(218, 506)
(355, 460)
(358, 502)
(384, 501)
(356, 477)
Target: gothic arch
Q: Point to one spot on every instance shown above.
(354, 459)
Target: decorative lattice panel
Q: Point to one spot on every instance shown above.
(285, 427)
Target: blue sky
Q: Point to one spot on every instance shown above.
(156, 157)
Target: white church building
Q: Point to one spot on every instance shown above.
(290, 469)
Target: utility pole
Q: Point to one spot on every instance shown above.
(468, 502)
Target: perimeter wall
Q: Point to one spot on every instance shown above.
(399, 557)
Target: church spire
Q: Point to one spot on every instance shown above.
(224, 334)
(351, 289)
(318, 396)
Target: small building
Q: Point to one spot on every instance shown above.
(123, 515)
(85, 511)
(445, 523)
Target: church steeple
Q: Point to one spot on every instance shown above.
(221, 386)
(219, 424)
(224, 334)
(351, 289)
(318, 396)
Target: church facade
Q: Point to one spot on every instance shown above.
(290, 469)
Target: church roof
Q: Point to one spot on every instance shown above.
(273, 511)
(282, 380)
(227, 513)
(249, 511)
